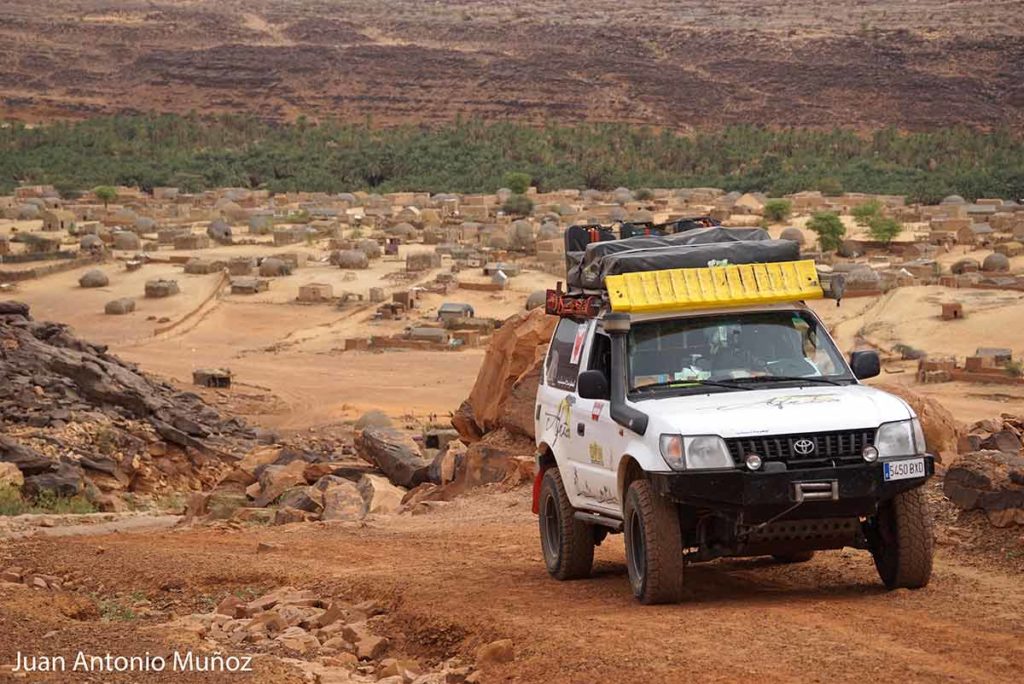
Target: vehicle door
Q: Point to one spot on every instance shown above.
(595, 458)
(556, 396)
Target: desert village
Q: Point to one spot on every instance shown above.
(378, 356)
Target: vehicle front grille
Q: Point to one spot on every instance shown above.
(830, 448)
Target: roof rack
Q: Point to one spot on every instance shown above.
(710, 268)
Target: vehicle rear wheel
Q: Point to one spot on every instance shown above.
(567, 543)
(654, 545)
(902, 541)
(796, 557)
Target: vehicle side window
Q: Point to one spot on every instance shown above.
(565, 354)
(601, 354)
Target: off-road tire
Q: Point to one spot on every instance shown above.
(902, 541)
(654, 545)
(566, 543)
(796, 557)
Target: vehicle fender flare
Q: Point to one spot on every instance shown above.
(545, 459)
(629, 470)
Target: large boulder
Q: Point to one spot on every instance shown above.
(941, 430)
(94, 278)
(160, 287)
(274, 480)
(965, 265)
(380, 497)
(91, 243)
(10, 476)
(995, 262)
(272, 267)
(397, 456)
(219, 231)
(371, 248)
(350, 258)
(119, 307)
(990, 481)
(505, 388)
(341, 499)
(793, 234)
(127, 241)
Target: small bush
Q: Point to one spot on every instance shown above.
(829, 228)
(644, 194)
(884, 229)
(864, 213)
(13, 503)
(518, 182)
(518, 205)
(778, 210)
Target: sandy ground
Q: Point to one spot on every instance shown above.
(277, 346)
(472, 572)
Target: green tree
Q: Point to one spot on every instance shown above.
(830, 229)
(105, 194)
(518, 182)
(863, 214)
(830, 185)
(518, 205)
(777, 210)
(884, 229)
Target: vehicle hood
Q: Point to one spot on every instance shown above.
(776, 411)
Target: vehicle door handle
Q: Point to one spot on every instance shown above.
(580, 429)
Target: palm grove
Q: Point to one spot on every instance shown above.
(195, 153)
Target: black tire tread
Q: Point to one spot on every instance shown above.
(664, 582)
(577, 539)
(916, 539)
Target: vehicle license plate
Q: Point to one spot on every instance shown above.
(903, 470)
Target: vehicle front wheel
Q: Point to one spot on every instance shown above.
(902, 541)
(567, 543)
(654, 545)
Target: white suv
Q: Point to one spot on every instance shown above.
(723, 432)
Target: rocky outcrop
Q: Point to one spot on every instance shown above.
(505, 389)
(77, 419)
(995, 434)
(990, 481)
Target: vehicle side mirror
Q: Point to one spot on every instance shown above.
(865, 364)
(592, 384)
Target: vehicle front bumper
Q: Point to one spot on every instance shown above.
(854, 490)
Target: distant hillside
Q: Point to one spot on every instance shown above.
(913, 64)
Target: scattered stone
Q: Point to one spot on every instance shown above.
(395, 454)
(500, 651)
(342, 499)
(94, 278)
(991, 481)
(10, 475)
(372, 647)
(119, 307)
(159, 288)
(379, 495)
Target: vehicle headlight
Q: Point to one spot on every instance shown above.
(695, 453)
(902, 438)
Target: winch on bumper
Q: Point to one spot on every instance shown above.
(841, 491)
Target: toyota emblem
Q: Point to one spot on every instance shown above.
(803, 446)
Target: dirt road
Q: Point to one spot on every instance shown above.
(471, 572)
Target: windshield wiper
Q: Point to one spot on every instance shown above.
(791, 378)
(682, 384)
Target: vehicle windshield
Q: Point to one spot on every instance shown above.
(734, 348)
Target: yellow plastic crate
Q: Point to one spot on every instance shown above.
(715, 286)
